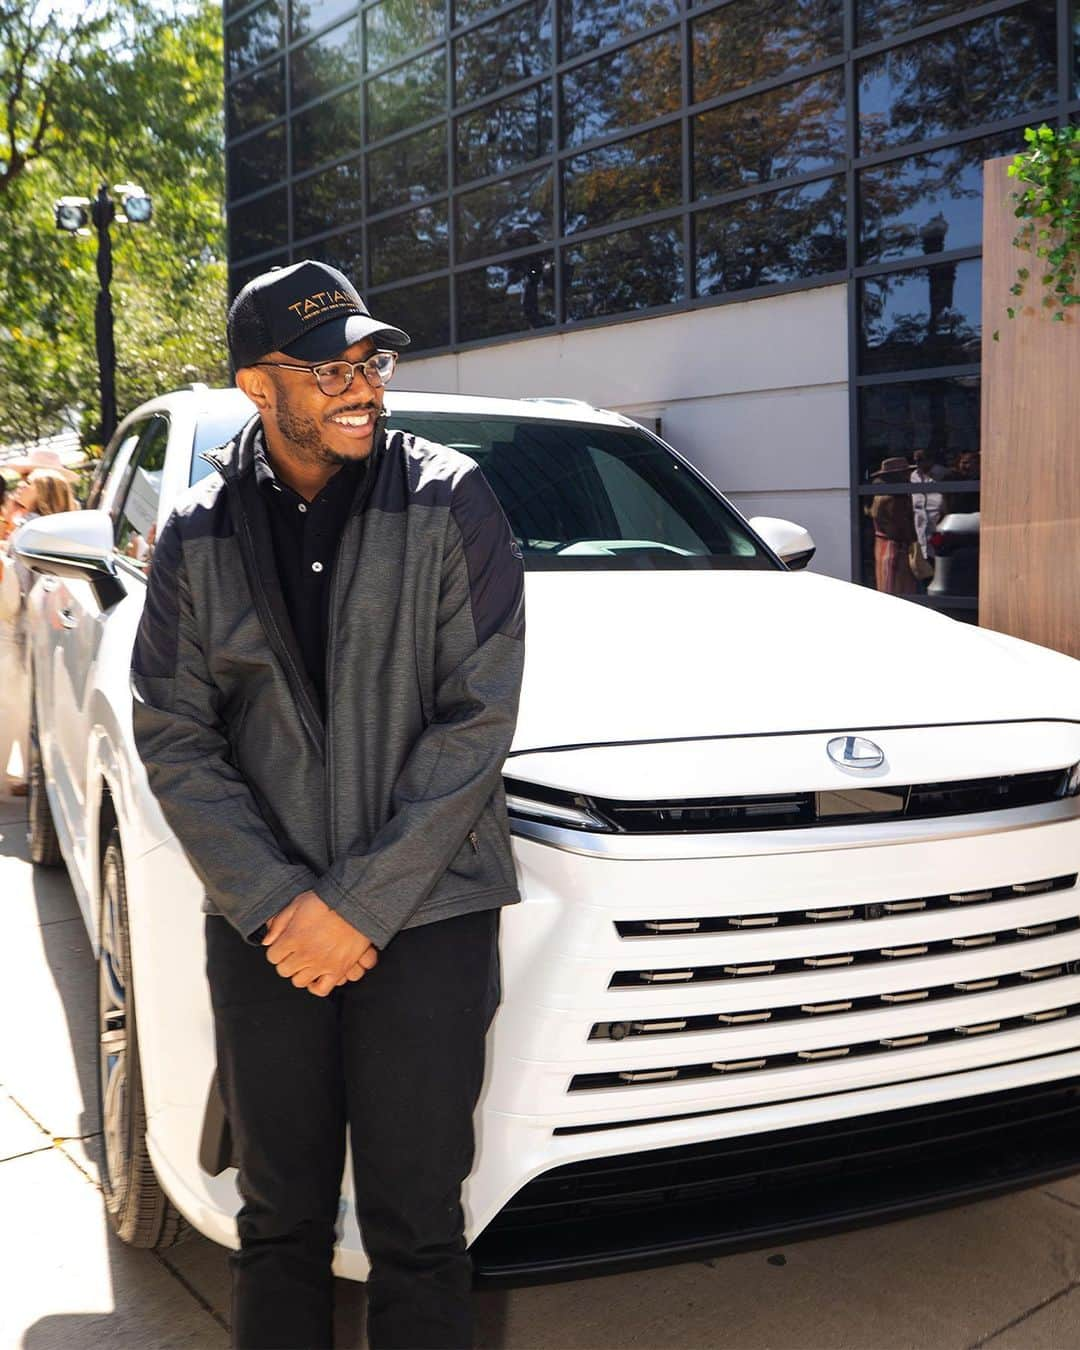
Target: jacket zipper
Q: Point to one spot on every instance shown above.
(474, 840)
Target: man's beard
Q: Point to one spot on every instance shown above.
(304, 435)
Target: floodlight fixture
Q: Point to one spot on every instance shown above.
(136, 206)
(72, 214)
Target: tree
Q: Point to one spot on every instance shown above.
(127, 92)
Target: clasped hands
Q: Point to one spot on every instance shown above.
(313, 946)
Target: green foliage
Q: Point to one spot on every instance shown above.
(131, 91)
(1048, 205)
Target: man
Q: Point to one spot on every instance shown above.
(326, 681)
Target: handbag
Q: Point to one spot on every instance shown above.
(922, 568)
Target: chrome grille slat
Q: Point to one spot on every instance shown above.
(813, 917)
(897, 1043)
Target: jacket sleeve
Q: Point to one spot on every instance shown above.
(180, 736)
(456, 762)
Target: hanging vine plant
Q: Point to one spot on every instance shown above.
(1047, 203)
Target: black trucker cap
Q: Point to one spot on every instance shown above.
(309, 310)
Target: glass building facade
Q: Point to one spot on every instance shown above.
(484, 171)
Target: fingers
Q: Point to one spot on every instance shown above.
(278, 924)
(322, 985)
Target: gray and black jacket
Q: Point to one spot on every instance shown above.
(393, 811)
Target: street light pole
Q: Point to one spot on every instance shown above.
(102, 214)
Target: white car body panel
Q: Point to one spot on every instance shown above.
(640, 686)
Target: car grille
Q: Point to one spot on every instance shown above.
(802, 810)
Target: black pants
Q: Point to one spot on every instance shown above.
(398, 1057)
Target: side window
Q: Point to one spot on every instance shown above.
(134, 510)
(111, 468)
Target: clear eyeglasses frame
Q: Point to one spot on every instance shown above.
(334, 377)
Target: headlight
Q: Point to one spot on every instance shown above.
(1072, 783)
(532, 801)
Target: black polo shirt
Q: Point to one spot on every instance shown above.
(306, 536)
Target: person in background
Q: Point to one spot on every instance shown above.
(44, 492)
(894, 530)
(927, 507)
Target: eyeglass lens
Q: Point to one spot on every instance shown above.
(335, 376)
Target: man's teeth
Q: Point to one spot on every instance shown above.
(354, 420)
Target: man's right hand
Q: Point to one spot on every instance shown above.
(313, 946)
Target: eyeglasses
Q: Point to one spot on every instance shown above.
(334, 377)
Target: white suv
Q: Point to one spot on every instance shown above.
(800, 940)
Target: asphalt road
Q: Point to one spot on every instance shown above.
(1004, 1274)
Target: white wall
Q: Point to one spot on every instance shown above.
(754, 394)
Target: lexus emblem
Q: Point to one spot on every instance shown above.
(855, 752)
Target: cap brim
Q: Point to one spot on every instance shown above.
(331, 338)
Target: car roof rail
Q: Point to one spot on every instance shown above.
(552, 398)
(197, 387)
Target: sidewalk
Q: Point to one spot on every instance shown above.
(1004, 1274)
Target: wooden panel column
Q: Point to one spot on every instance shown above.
(1029, 569)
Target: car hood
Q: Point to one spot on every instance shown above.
(635, 656)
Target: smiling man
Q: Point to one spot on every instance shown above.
(326, 680)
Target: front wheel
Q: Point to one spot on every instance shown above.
(139, 1211)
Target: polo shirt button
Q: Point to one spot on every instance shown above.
(303, 506)
(316, 566)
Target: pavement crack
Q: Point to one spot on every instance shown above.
(26, 1153)
(186, 1283)
(1062, 1200)
(1038, 1307)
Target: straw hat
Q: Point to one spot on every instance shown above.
(41, 457)
(894, 464)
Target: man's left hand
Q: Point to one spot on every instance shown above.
(313, 946)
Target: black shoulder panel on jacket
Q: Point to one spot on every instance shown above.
(492, 557)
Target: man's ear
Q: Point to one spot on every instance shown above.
(253, 383)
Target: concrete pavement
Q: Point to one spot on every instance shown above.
(1004, 1274)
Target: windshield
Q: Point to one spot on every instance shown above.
(582, 497)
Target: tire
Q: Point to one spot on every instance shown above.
(44, 841)
(139, 1211)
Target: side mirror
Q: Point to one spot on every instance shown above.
(74, 544)
(789, 541)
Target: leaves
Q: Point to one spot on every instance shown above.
(1050, 168)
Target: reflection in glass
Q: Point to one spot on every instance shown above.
(927, 203)
(258, 162)
(929, 316)
(510, 48)
(394, 27)
(508, 298)
(1076, 49)
(587, 24)
(619, 273)
(256, 99)
(240, 276)
(876, 19)
(343, 251)
(412, 93)
(309, 15)
(938, 419)
(136, 532)
(504, 216)
(986, 71)
(323, 200)
(254, 37)
(501, 135)
(953, 545)
(891, 518)
(327, 131)
(325, 63)
(259, 224)
(751, 40)
(630, 178)
(921, 541)
(775, 237)
(408, 245)
(791, 130)
(632, 85)
(423, 311)
(407, 170)
(465, 11)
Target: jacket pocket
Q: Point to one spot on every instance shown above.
(479, 863)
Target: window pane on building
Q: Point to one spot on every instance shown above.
(929, 316)
(465, 11)
(510, 48)
(501, 135)
(258, 162)
(504, 216)
(327, 199)
(619, 273)
(927, 203)
(258, 98)
(998, 67)
(408, 245)
(325, 63)
(259, 224)
(933, 424)
(586, 25)
(877, 19)
(394, 28)
(791, 130)
(412, 93)
(508, 298)
(751, 40)
(240, 276)
(423, 311)
(1076, 50)
(308, 16)
(327, 131)
(343, 251)
(407, 170)
(632, 85)
(630, 178)
(254, 37)
(775, 237)
(946, 527)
